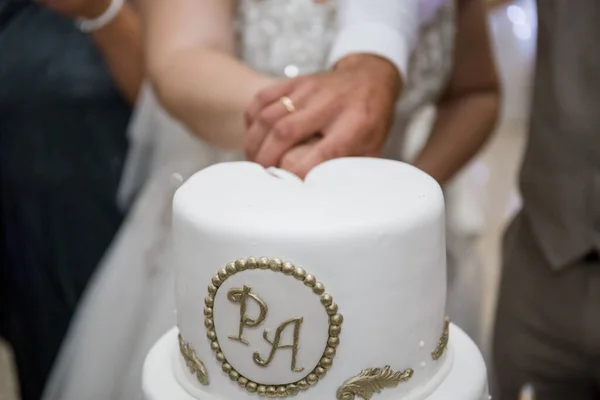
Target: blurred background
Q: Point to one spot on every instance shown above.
(513, 27)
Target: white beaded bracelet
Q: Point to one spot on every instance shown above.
(89, 25)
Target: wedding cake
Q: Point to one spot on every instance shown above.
(329, 288)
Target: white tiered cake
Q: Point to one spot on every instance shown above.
(345, 299)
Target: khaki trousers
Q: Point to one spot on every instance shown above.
(548, 323)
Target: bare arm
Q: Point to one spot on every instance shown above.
(189, 48)
(121, 44)
(120, 41)
(468, 110)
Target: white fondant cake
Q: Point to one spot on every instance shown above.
(331, 288)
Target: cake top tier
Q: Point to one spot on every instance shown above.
(283, 283)
(351, 194)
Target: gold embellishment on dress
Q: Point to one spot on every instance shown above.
(371, 381)
(443, 343)
(239, 296)
(194, 364)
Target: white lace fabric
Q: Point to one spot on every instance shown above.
(286, 38)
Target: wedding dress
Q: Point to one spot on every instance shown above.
(130, 304)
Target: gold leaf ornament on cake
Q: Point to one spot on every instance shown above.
(443, 342)
(239, 295)
(194, 364)
(371, 381)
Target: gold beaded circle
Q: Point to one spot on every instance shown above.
(287, 268)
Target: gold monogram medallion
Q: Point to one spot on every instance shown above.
(242, 297)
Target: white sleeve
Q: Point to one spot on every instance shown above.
(387, 28)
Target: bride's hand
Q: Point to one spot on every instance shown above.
(77, 8)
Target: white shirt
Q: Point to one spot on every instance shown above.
(386, 28)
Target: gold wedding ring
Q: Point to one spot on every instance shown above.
(288, 104)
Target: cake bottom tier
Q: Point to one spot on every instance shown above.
(466, 380)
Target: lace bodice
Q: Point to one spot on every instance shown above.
(286, 38)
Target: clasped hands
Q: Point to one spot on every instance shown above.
(299, 123)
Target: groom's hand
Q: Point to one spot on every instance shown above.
(351, 107)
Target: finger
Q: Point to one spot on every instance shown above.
(323, 151)
(269, 95)
(265, 121)
(296, 154)
(254, 139)
(247, 120)
(342, 140)
(275, 111)
(295, 128)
